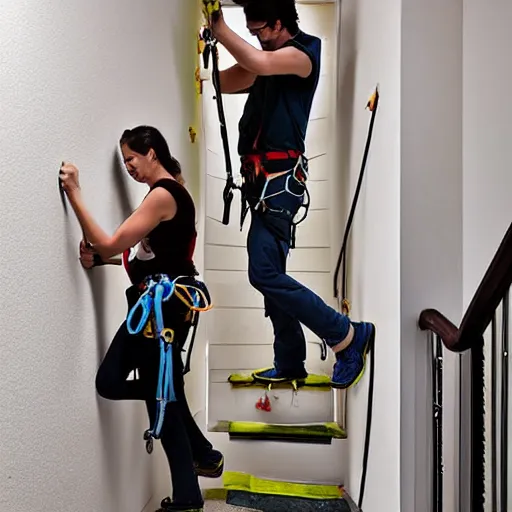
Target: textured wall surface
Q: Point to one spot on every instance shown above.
(74, 75)
(369, 49)
(431, 232)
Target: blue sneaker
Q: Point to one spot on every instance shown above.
(351, 362)
(273, 374)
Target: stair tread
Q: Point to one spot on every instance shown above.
(313, 381)
(276, 503)
(327, 430)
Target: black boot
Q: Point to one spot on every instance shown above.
(211, 467)
(168, 506)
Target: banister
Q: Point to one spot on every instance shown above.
(493, 287)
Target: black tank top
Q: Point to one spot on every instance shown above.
(168, 248)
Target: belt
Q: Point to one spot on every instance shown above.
(271, 155)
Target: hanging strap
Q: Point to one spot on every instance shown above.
(345, 306)
(342, 260)
(211, 48)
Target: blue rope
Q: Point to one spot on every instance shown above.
(156, 293)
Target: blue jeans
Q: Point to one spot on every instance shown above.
(288, 303)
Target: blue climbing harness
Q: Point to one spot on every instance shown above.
(159, 290)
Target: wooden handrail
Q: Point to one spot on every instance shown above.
(495, 283)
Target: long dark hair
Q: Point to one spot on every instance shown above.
(272, 10)
(143, 138)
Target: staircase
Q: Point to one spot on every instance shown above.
(287, 458)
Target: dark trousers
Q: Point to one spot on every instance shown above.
(182, 440)
(288, 303)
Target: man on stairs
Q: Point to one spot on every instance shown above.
(281, 80)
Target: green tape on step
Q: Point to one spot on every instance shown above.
(215, 494)
(234, 481)
(320, 430)
(312, 381)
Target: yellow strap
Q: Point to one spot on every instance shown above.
(210, 7)
(207, 306)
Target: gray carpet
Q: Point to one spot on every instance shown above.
(273, 503)
(221, 506)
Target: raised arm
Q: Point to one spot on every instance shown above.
(285, 61)
(236, 79)
(155, 208)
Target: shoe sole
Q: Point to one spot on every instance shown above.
(270, 380)
(367, 349)
(214, 473)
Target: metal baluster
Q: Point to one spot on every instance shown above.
(494, 417)
(437, 423)
(504, 406)
(440, 463)
(434, 424)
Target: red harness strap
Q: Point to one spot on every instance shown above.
(253, 163)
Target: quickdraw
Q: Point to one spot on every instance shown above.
(159, 290)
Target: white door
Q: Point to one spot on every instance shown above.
(239, 336)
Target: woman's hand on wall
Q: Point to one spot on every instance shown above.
(86, 256)
(69, 178)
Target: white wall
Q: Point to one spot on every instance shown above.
(74, 76)
(369, 54)
(487, 135)
(487, 209)
(431, 231)
(407, 237)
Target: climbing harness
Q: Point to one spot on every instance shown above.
(372, 105)
(159, 289)
(257, 179)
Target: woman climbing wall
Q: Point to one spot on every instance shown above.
(157, 242)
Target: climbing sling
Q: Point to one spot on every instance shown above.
(155, 291)
(344, 303)
(211, 48)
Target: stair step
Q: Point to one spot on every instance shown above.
(279, 496)
(312, 381)
(317, 433)
(276, 503)
(307, 405)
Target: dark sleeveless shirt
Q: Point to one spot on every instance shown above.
(168, 248)
(276, 113)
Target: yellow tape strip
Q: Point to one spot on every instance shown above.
(234, 481)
